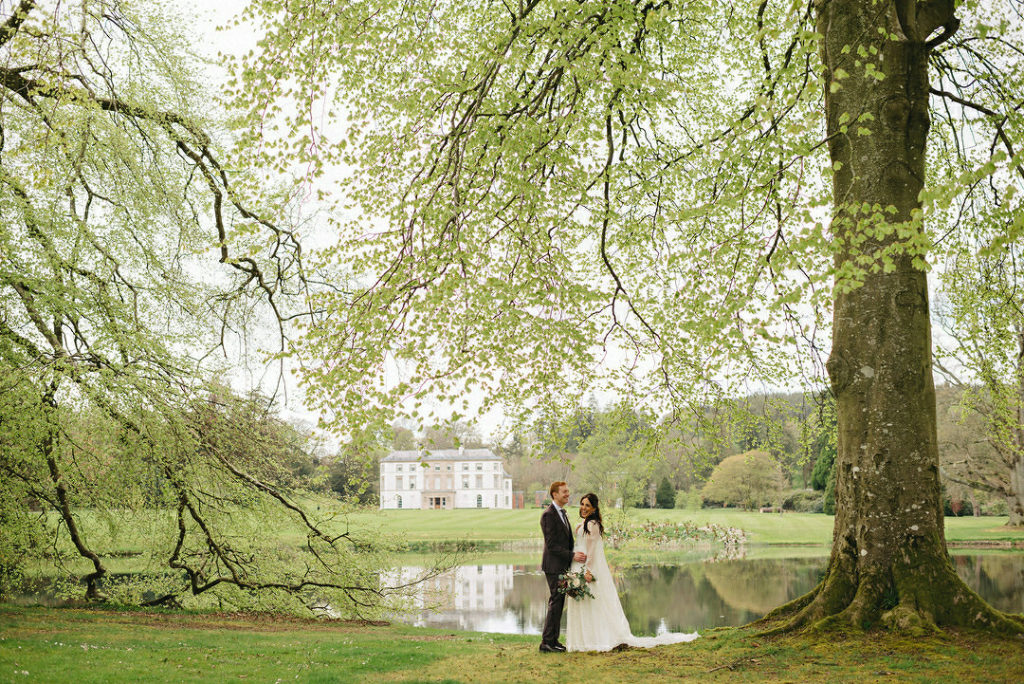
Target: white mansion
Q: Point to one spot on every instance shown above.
(444, 478)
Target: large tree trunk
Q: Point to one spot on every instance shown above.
(1015, 493)
(889, 564)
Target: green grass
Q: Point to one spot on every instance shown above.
(130, 533)
(982, 529)
(761, 528)
(63, 645)
(484, 525)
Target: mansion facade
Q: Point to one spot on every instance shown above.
(444, 478)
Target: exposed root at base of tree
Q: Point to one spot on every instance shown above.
(915, 603)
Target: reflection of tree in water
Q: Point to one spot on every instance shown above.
(701, 595)
(997, 578)
(698, 595)
(756, 586)
(529, 596)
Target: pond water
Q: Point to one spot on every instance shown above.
(683, 597)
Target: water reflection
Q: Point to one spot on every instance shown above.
(998, 578)
(486, 598)
(512, 598)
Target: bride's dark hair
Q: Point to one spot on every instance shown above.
(595, 514)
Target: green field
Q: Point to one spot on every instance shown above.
(761, 528)
(127, 541)
(82, 646)
(120, 536)
(57, 645)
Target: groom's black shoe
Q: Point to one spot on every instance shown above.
(549, 648)
(558, 647)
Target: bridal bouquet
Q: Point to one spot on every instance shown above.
(575, 584)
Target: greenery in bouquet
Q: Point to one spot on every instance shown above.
(575, 584)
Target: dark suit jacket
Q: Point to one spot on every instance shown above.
(558, 543)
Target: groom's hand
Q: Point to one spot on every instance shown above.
(580, 557)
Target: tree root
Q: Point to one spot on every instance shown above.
(790, 608)
(907, 601)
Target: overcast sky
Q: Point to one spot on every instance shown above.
(210, 20)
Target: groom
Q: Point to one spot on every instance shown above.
(558, 556)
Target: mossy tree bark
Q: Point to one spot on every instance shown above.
(889, 564)
(1013, 454)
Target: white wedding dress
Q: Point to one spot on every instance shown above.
(598, 624)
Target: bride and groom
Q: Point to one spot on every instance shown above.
(592, 624)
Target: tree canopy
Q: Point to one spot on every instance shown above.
(750, 480)
(572, 194)
(669, 199)
(135, 259)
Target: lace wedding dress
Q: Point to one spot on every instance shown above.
(598, 624)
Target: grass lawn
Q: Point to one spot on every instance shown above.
(433, 525)
(65, 645)
(768, 534)
(761, 528)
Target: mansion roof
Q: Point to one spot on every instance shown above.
(440, 455)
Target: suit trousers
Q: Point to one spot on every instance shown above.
(556, 603)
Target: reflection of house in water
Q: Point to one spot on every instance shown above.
(472, 597)
(676, 597)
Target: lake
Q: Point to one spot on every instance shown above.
(680, 597)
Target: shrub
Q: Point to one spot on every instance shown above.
(20, 534)
(829, 504)
(955, 507)
(997, 507)
(823, 467)
(804, 501)
(665, 497)
(689, 500)
(751, 479)
(668, 534)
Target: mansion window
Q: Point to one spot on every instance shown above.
(465, 483)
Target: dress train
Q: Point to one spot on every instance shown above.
(598, 623)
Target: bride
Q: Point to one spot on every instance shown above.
(598, 623)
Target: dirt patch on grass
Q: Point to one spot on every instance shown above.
(256, 622)
(41, 621)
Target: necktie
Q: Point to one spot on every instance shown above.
(565, 520)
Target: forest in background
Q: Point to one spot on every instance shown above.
(627, 458)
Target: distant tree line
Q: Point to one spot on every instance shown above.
(775, 450)
(787, 443)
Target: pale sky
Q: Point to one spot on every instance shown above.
(206, 17)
